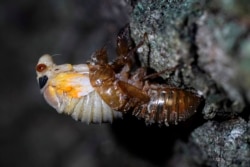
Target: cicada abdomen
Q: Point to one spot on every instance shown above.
(168, 105)
(91, 109)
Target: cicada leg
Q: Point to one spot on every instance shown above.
(157, 74)
(125, 49)
(99, 57)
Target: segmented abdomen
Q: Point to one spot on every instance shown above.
(168, 105)
(90, 109)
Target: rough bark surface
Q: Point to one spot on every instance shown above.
(209, 41)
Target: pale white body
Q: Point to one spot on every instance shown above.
(67, 88)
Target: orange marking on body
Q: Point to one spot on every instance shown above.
(68, 83)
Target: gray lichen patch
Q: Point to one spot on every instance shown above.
(222, 144)
(217, 40)
(168, 25)
(244, 66)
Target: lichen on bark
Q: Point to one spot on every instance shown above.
(190, 36)
(222, 144)
(208, 41)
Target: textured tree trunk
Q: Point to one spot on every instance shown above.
(209, 43)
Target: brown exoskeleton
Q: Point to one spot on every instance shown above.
(100, 91)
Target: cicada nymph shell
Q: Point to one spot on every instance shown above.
(67, 88)
(167, 105)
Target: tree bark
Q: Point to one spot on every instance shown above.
(209, 43)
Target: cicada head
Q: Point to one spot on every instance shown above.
(47, 69)
(59, 84)
(43, 70)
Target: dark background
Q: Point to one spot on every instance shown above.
(32, 133)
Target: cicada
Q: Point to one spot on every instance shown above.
(100, 91)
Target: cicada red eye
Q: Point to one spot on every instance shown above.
(41, 67)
